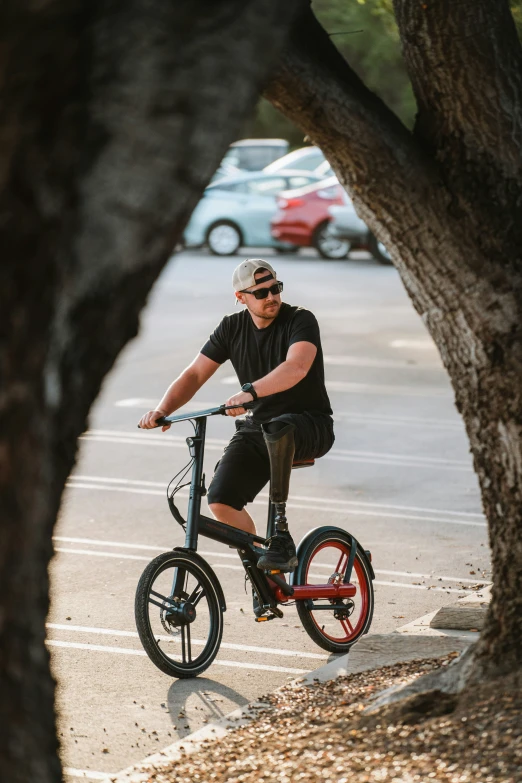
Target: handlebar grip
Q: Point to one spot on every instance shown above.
(159, 422)
(224, 408)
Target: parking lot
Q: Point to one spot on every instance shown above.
(399, 477)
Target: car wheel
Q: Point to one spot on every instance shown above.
(378, 251)
(224, 238)
(288, 249)
(329, 246)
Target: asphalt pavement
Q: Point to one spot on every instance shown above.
(399, 477)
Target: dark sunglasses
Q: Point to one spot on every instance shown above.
(262, 293)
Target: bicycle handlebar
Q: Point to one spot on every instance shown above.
(219, 411)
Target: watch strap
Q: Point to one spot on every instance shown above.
(248, 387)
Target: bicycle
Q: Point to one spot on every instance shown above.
(179, 594)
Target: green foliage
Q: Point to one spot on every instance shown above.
(369, 41)
(516, 10)
(374, 53)
(372, 47)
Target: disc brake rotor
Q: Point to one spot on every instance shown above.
(169, 624)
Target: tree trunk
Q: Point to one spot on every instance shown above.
(445, 200)
(114, 117)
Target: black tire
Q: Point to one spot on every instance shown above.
(378, 251)
(288, 250)
(361, 573)
(325, 245)
(224, 248)
(190, 571)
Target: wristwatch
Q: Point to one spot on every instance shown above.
(248, 387)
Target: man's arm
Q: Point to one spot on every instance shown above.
(181, 390)
(299, 359)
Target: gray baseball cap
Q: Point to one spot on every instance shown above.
(244, 274)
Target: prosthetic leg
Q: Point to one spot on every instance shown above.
(279, 439)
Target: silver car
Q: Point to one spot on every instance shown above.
(236, 211)
(345, 224)
(303, 159)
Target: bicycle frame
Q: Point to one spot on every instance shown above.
(271, 588)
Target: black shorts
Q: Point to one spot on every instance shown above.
(244, 468)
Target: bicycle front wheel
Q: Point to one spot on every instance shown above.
(334, 624)
(178, 615)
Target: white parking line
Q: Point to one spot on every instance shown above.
(400, 421)
(431, 588)
(205, 553)
(231, 567)
(74, 484)
(420, 343)
(88, 774)
(309, 498)
(365, 418)
(149, 402)
(95, 553)
(224, 645)
(348, 387)
(375, 581)
(344, 455)
(366, 361)
(393, 460)
(128, 651)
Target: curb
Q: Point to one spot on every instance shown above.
(371, 652)
(466, 614)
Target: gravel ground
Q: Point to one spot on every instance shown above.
(320, 733)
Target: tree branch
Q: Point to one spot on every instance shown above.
(359, 134)
(458, 52)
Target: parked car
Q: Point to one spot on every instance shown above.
(346, 225)
(236, 212)
(304, 159)
(255, 154)
(302, 218)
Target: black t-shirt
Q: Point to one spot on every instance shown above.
(256, 352)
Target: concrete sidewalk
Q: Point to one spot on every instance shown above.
(372, 652)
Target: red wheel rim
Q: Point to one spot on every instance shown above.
(338, 555)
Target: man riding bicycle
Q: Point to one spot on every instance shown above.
(275, 349)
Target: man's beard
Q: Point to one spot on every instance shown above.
(270, 313)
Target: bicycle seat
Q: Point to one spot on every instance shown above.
(303, 463)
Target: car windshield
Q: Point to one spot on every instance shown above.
(267, 186)
(305, 159)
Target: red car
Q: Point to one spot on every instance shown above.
(302, 218)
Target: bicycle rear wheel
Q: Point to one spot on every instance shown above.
(178, 615)
(324, 561)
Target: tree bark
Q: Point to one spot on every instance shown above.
(114, 117)
(445, 200)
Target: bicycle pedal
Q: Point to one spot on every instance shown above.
(265, 619)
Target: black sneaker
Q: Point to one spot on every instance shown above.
(280, 554)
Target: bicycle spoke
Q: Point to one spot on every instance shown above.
(195, 597)
(345, 623)
(319, 619)
(341, 565)
(189, 648)
(163, 598)
(169, 589)
(183, 651)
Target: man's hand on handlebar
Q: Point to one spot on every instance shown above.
(237, 399)
(148, 421)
